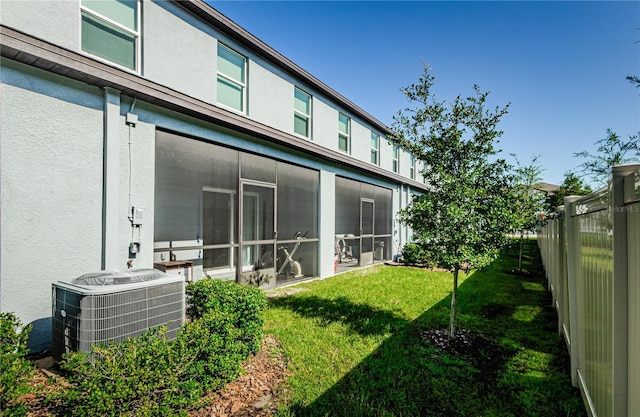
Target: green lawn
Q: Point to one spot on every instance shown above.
(356, 345)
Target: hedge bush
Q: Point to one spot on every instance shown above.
(240, 305)
(152, 376)
(414, 254)
(139, 376)
(15, 369)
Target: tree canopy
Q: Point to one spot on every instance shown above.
(572, 185)
(465, 217)
(611, 151)
(528, 200)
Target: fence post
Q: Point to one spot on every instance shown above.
(560, 270)
(572, 271)
(620, 290)
(632, 200)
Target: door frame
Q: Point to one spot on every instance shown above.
(366, 258)
(231, 245)
(267, 278)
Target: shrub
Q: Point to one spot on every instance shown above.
(414, 254)
(152, 376)
(241, 305)
(212, 340)
(138, 376)
(15, 370)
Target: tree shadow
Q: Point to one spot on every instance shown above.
(409, 375)
(360, 318)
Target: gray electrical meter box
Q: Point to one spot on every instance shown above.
(137, 214)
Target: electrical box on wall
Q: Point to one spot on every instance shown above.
(137, 214)
(134, 248)
(131, 119)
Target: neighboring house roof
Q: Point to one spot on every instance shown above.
(546, 187)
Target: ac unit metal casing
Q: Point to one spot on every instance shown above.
(111, 306)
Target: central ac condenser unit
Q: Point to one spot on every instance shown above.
(112, 306)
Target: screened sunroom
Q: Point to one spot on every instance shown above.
(235, 215)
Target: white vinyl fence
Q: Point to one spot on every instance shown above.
(591, 253)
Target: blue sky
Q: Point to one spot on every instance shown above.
(561, 65)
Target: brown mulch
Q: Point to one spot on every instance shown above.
(417, 266)
(465, 267)
(256, 393)
(47, 382)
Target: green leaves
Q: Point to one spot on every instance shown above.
(529, 201)
(466, 215)
(150, 375)
(15, 370)
(572, 185)
(611, 151)
(241, 305)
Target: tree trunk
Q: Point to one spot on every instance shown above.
(520, 255)
(454, 297)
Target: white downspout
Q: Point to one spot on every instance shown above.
(110, 179)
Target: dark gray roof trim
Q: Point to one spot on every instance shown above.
(255, 45)
(35, 52)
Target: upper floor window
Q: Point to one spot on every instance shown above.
(396, 154)
(232, 68)
(412, 167)
(110, 30)
(375, 148)
(302, 113)
(343, 132)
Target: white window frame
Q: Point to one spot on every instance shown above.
(412, 167)
(298, 113)
(396, 159)
(375, 150)
(231, 80)
(341, 134)
(134, 33)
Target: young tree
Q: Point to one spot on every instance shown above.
(465, 218)
(611, 151)
(572, 185)
(529, 201)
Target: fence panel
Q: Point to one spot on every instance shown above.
(594, 286)
(564, 312)
(591, 258)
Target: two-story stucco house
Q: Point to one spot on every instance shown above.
(142, 133)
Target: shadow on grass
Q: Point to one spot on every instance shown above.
(521, 372)
(360, 318)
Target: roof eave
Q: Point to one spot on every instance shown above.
(23, 48)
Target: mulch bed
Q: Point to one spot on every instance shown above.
(485, 355)
(256, 393)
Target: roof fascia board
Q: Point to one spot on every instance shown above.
(37, 53)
